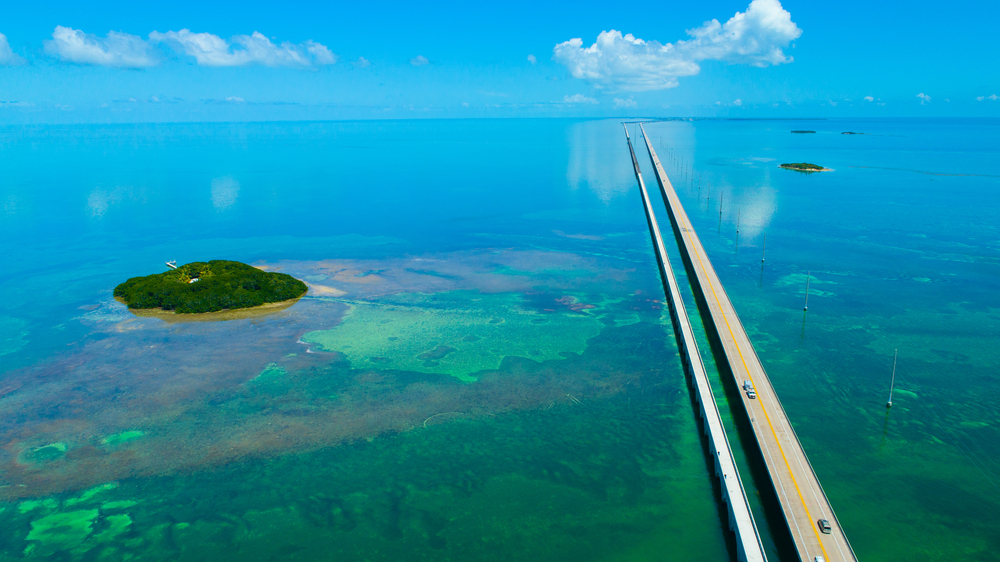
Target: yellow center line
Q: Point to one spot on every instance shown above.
(711, 285)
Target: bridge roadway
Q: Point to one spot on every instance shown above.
(749, 547)
(798, 490)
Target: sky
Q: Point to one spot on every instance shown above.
(69, 62)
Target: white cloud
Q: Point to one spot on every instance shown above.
(924, 98)
(362, 62)
(242, 50)
(869, 98)
(738, 102)
(320, 53)
(532, 59)
(993, 97)
(578, 98)
(625, 63)
(624, 103)
(833, 103)
(7, 56)
(116, 49)
(980, 98)
(419, 60)
(234, 99)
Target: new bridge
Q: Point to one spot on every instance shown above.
(798, 491)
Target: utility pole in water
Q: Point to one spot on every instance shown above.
(892, 383)
(808, 274)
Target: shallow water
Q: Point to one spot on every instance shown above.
(481, 369)
(902, 248)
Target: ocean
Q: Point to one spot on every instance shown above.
(483, 368)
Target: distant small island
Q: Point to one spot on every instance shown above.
(803, 131)
(200, 287)
(805, 167)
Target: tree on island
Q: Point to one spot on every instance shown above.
(804, 167)
(209, 287)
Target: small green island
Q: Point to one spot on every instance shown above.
(213, 286)
(805, 167)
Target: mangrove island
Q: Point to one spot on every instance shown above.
(805, 167)
(209, 287)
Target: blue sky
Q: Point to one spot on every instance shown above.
(181, 61)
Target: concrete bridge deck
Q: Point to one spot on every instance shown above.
(798, 490)
(749, 547)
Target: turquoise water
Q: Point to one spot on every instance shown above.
(481, 369)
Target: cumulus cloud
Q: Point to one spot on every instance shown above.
(624, 63)
(578, 98)
(993, 97)
(116, 49)
(532, 59)
(362, 62)
(419, 60)
(869, 98)
(320, 53)
(624, 103)
(924, 98)
(737, 102)
(7, 56)
(212, 50)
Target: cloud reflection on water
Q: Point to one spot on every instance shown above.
(599, 159)
(225, 191)
(754, 208)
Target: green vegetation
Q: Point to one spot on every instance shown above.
(803, 167)
(220, 285)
